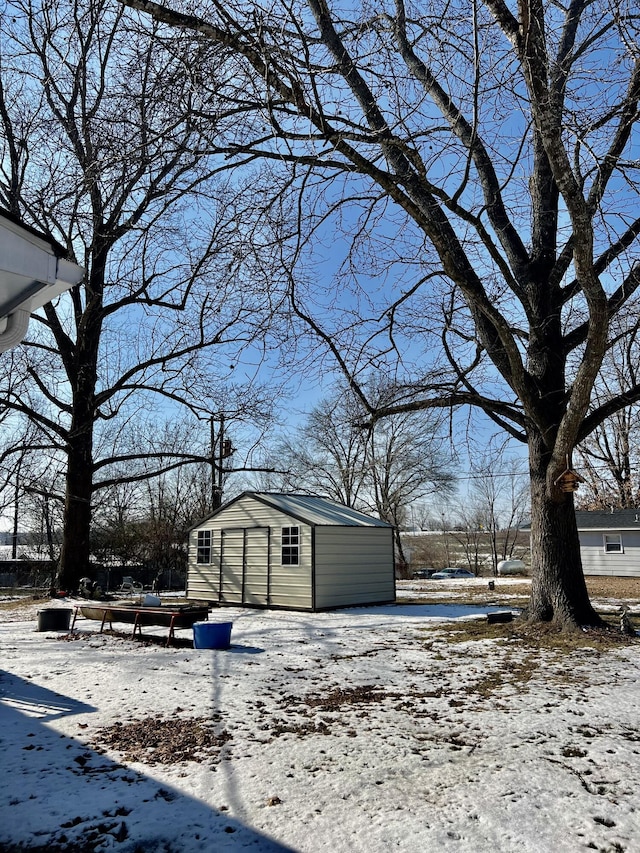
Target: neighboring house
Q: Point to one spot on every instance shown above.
(610, 542)
(299, 552)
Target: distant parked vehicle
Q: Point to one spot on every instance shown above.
(423, 573)
(511, 567)
(452, 574)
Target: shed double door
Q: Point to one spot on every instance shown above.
(244, 566)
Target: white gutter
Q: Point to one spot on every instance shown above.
(32, 273)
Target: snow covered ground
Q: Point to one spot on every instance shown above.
(357, 730)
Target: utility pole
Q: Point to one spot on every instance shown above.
(16, 512)
(221, 449)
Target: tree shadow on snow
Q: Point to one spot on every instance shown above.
(60, 795)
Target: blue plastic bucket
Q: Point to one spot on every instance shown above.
(212, 635)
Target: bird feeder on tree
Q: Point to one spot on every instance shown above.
(569, 480)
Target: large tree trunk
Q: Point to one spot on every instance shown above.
(75, 550)
(558, 590)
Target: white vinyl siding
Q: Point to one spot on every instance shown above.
(596, 560)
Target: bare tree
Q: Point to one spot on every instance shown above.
(406, 461)
(382, 468)
(499, 492)
(103, 149)
(609, 456)
(480, 155)
(327, 454)
(31, 486)
(470, 533)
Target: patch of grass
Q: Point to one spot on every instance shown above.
(27, 598)
(485, 598)
(535, 636)
(513, 672)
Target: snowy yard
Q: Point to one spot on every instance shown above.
(405, 727)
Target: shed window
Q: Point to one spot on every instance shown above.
(204, 547)
(290, 546)
(613, 543)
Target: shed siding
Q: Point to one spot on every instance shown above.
(243, 530)
(256, 575)
(353, 566)
(203, 581)
(232, 566)
(595, 561)
(349, 564)
(248, 512)
(290, 586)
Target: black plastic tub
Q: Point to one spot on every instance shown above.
(54, 619)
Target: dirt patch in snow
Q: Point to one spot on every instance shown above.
(161, 740)
(321, 713)
(336, 699)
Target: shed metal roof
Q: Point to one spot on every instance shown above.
(618, 519)
(311, 509)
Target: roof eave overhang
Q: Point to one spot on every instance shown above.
(32, 273)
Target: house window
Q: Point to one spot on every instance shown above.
(290, 546)
(204, 547)
(613, 543)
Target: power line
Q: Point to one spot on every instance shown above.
(494, 475)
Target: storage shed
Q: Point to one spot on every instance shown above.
(610, 542)
(301, 552)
